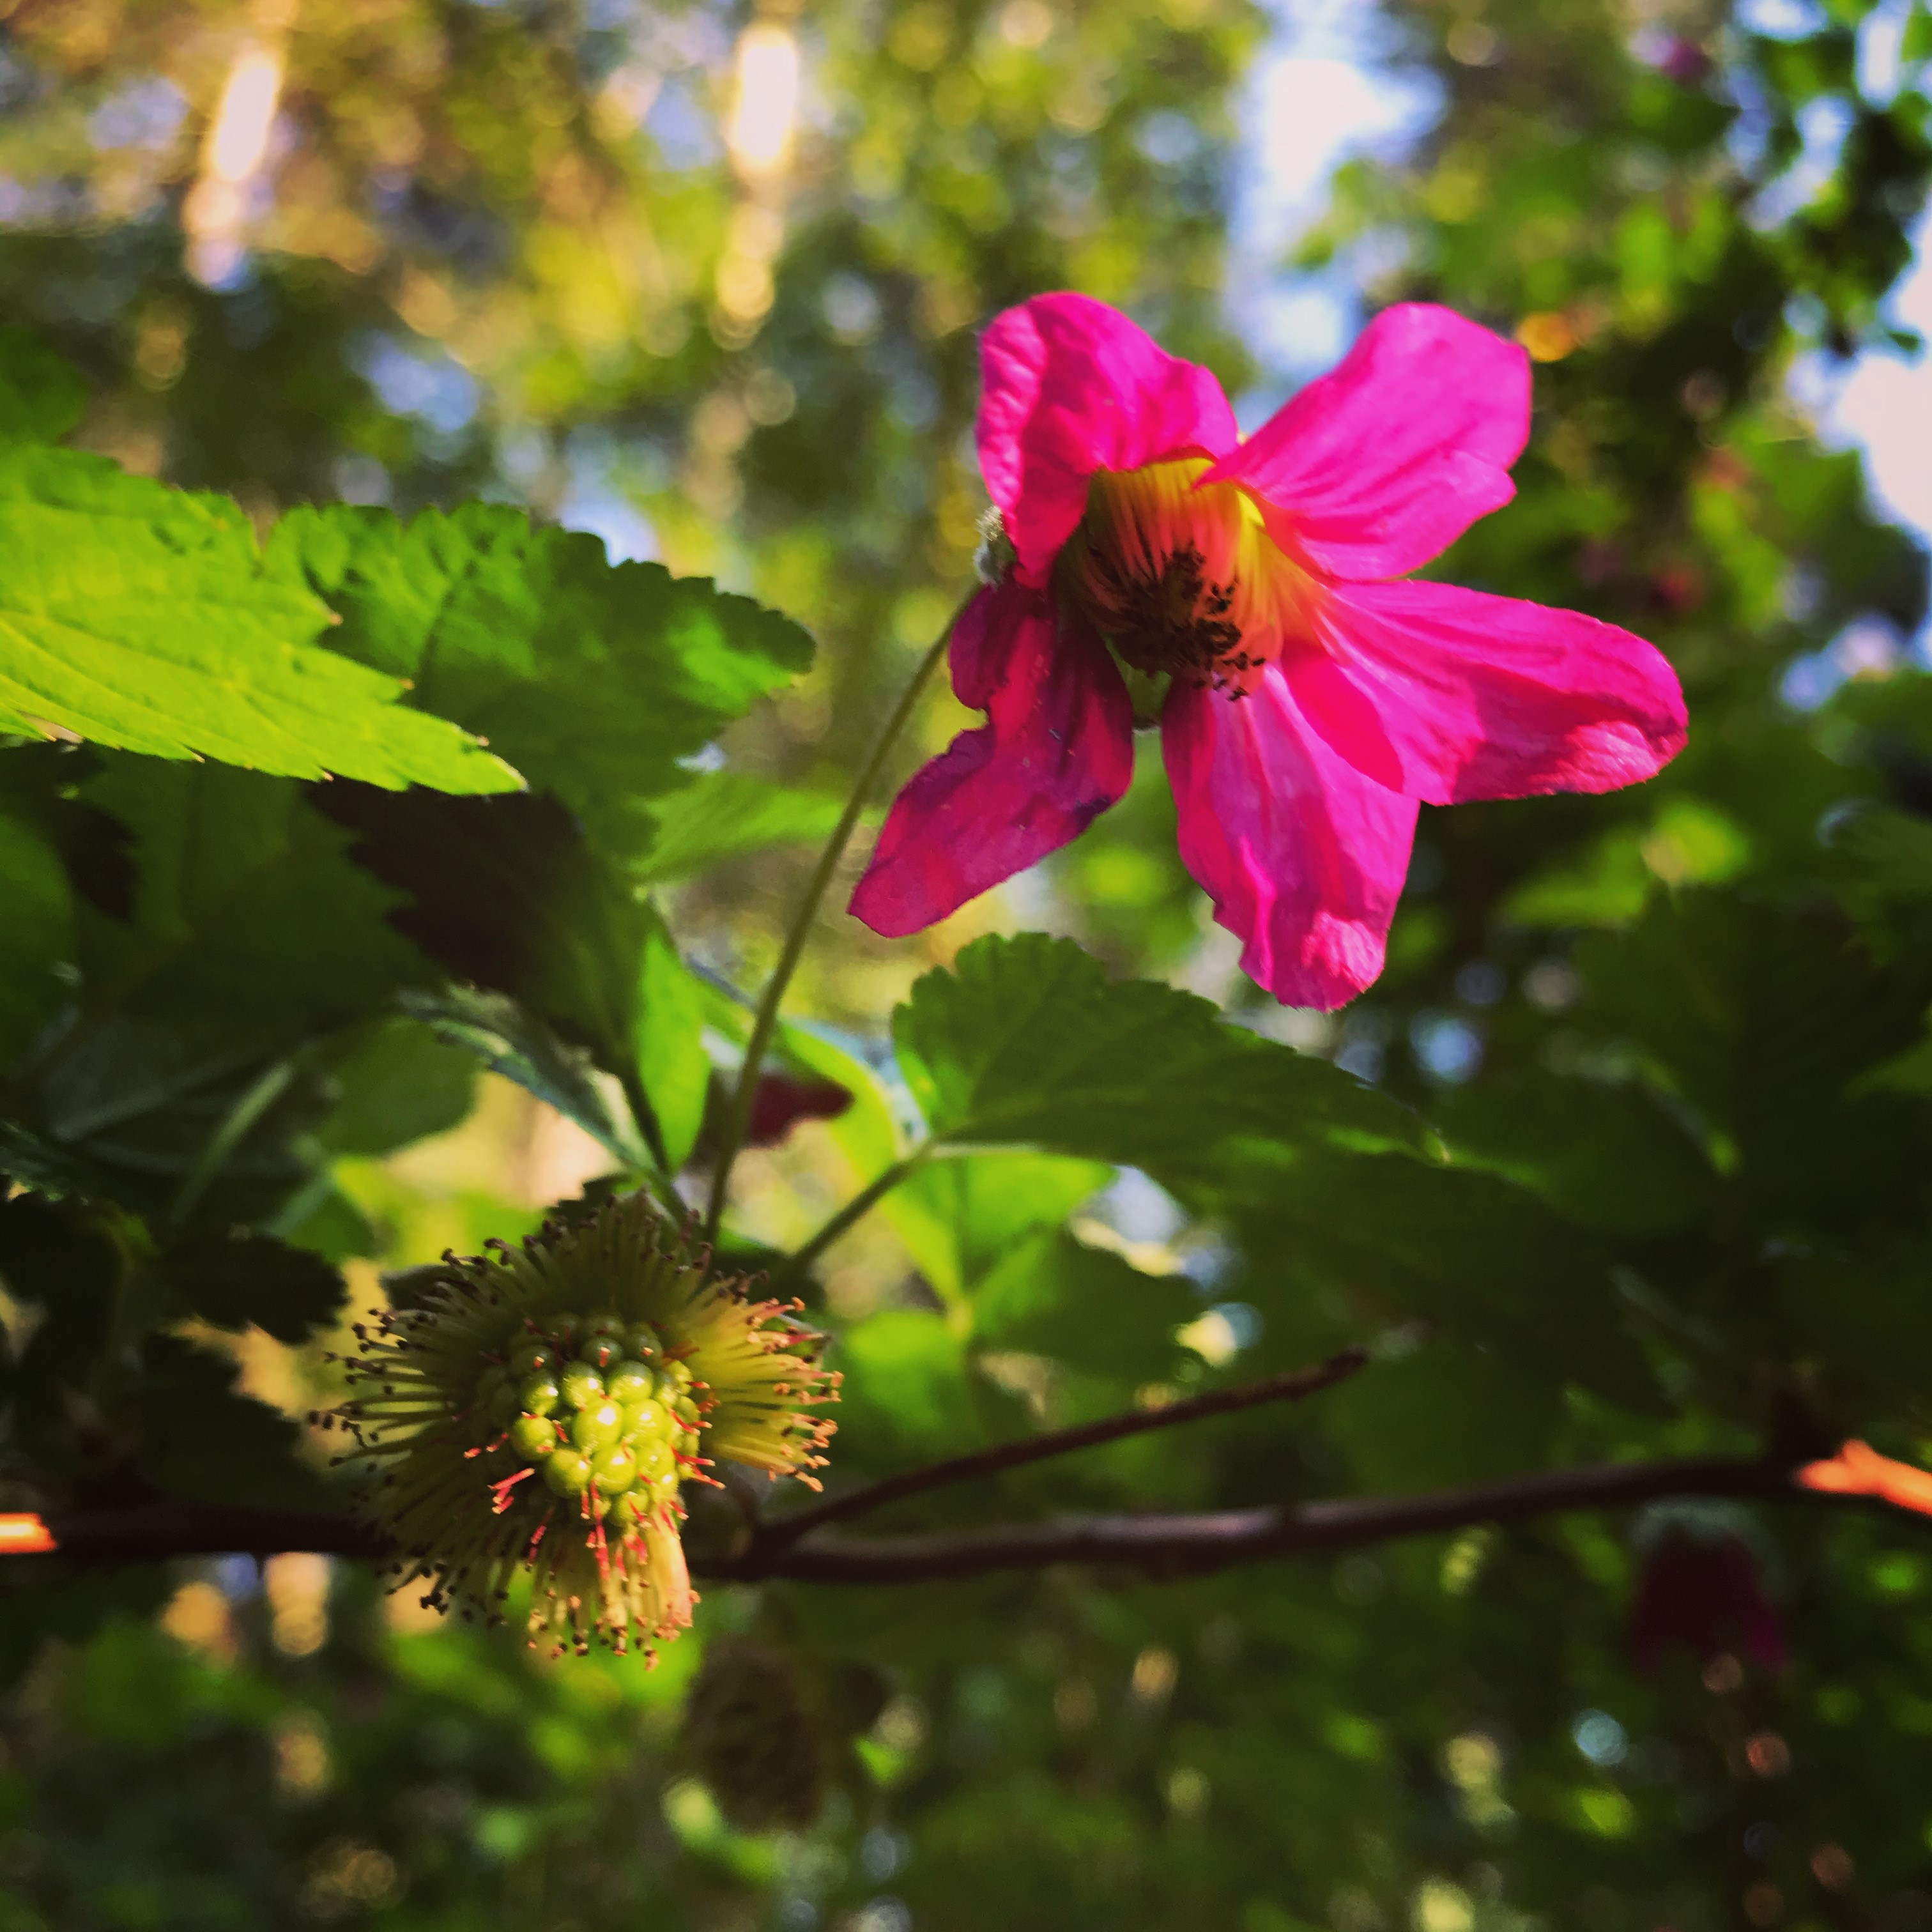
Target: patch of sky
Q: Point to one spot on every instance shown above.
(432, 387)
(1780, 20)
(597, 500)
(1822, 125)
(1868, 648)
(1324, 89)
(1168, 140)
(1881, 70)
(1600, 1738)
(1329, 86)
(1881, 401)
(1138, 1209)
(144, 114)
(686, 135)
(1447, 1048)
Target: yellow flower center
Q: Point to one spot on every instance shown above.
(1184, 582)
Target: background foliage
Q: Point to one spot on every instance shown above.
(1625, 1156)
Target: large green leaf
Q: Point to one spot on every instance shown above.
(1085, 1307)
(962, 1217)
(1026, 1039)
(507, 894)
(593, 679)
(140, 616)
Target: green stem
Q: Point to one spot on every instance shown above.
(238, 1123)
(861, 1204)
(765, 1023)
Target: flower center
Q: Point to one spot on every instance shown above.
(1184, 582)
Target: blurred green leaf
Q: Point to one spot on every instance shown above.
(237, 1280)
(1444, 1414)
(1610, 1157)
(36, 933)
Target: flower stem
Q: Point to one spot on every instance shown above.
(765, 1022)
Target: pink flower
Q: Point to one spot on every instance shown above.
(1310, 699)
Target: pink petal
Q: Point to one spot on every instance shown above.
(1304, 856)
(1056, 751)
(1394, 454)
(1450, 694)
(1069, 386)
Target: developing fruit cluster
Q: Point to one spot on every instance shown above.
(602, 1411)
(541, 1408)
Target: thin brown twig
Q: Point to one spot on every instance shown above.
(1191, 1544)
(1291, 1386)
(1154, 1546)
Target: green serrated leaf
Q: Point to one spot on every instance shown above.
(139, 617)
(1026, 1039)
(593, 679)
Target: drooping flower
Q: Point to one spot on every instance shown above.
(1311, 698)
(753, 1732)
(542, 1407)
(1702, 1587)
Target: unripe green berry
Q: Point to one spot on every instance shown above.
(599, 1350)
(532, 1358)
(583, 1386)
(592, 1428)
(679, 1374)
(540, 1395)
(664, 1488)
(654, 1457)
(612, 1325)
(566, 1330)
(630, 1383)
(686, 1411)
(567, 1472)
(613, 1468)
(642, 1341)
(533, 1436)
(646, 1418)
